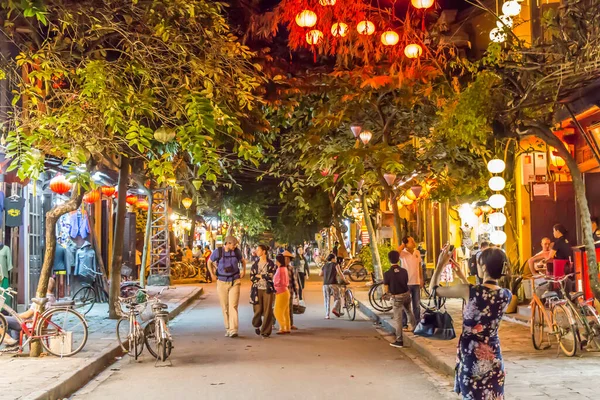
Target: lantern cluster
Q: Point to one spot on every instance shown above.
(510, 9)
(497, 201)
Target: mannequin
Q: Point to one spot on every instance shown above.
(466, 236)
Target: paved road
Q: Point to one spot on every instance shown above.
(325, 359)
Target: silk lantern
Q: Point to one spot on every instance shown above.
(314, 37)
(413, 50)
(306, 19)
(91, 197)
(365, 28)
(108, 191)
(60, 185)
(131, 199)
(389, 38)
(187, 202)
(339, 29)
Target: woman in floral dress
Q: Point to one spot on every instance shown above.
(479, 368)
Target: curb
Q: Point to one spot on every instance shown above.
(420, 348)
(79, 378)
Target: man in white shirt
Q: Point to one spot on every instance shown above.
(411, 261)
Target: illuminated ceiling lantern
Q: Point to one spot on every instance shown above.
(511, 8)
(497, 183)
(314, 37)
(91, 197)
(389, 178)
(498, 238)
(504, 21)
(413, 50)
(497, 201)
(497, 35)
(365, 28)
(496, 166)
(60, 185)
(326, 3)
(389, 38)
(131, 199)
(187, 202)
(422, 3)
(339, 29)
(306, 19)
(108, 191)
(405, 200)
(365, 136)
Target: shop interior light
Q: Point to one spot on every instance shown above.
(496, 166)
(498, 238)
(497, 183)
(497, 201)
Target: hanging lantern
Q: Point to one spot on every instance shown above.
(142, 204)
(365, 28)
(325, 172)
(557, 160)
(497, 35)
(91, 197)
(421, 4)
(360, 184)
(498, 238)
(314, 37)
(60, 185)
(497, 201)
(486, 209)
(496, 166)
(497, 219)
(306, 19)
(413, 50)
(335, 177)
(389, 178)
(416, 190)
(131, 199)
(164, 135)
(339, 29)
(504, 21)
(365, 136)
(411, 195)
(478, 212)
(108, 191)
(497, 183)
(389, 38)
(356, 129)
(326, 3)
(187, 202)
(511, 8)
(405, 200)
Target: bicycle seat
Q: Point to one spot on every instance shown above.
(39, 302)
(575, 295)
(549, 294)
(160, 306)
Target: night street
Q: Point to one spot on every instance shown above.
(323, 359)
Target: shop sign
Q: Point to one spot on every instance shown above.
(541, 189)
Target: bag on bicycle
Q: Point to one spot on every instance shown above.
(435, 323)
(226, 267)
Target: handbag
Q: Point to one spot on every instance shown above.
(435, 323)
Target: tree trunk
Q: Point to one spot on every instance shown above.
(372, 240)
(52, 217)
(193, 210)
(147, 236)
(397, 220)
(544, 133)
(118, 237)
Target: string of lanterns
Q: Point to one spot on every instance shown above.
(497, 201)
(308, 19)
(510, 9)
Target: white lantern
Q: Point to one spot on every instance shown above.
(504, 21)
(485, 228)
(497, 219)
(496, 166)
(497, 201)
(497, 183)
(497, 35)
(356, 129)
(498, 238)
(511, 8)
(365, 136)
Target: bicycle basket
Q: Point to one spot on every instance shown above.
(145, 310)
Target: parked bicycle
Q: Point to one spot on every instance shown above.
(129, 331)
(573, 320)
(61, 330)
(354, 269)
(157, 336)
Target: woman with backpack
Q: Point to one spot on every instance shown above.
(262, 293)
(282, 298)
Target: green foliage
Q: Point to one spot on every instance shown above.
(365, 256)
(247, 212)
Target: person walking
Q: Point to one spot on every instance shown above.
(411, 262)
(282, 297)
(395, 281)
(480, 368)
(224, 265)
(294, 285)
(301, 268)
(330, 272)
(262, 293)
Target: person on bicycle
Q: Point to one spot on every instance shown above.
(395, 283)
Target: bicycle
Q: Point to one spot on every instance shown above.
(350, 304)
(157, 336)
(376, 298)
(62, 331)
(355, 269)
(129, 331)
(564, 318)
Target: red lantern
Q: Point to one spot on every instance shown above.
(478, 212)
(335, 177)
(324, 172)
(108, 191)
(91, 197)
(142, 204)
(131, 199)
(60, 185)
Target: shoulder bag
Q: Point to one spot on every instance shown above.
(435, 323)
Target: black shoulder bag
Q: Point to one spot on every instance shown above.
(435, 323)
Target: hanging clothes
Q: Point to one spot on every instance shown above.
(1, 207)
(5, 262)
(85, 264)
(60, 258)
(71, 255)
(80, 225)
(14, 211)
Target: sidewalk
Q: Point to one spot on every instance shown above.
(531, 374)
(50, 377)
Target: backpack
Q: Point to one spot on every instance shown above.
(228, 271)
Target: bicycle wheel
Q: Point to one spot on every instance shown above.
(62, 331)
(150, 338)
(566, 331)
(350, 305)
(537, 326)
(84, 299)
(123, 333)
(137, 340)
(376, 299)
(358, 272)
(163, 347)
(593, 321)
(3, 328)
